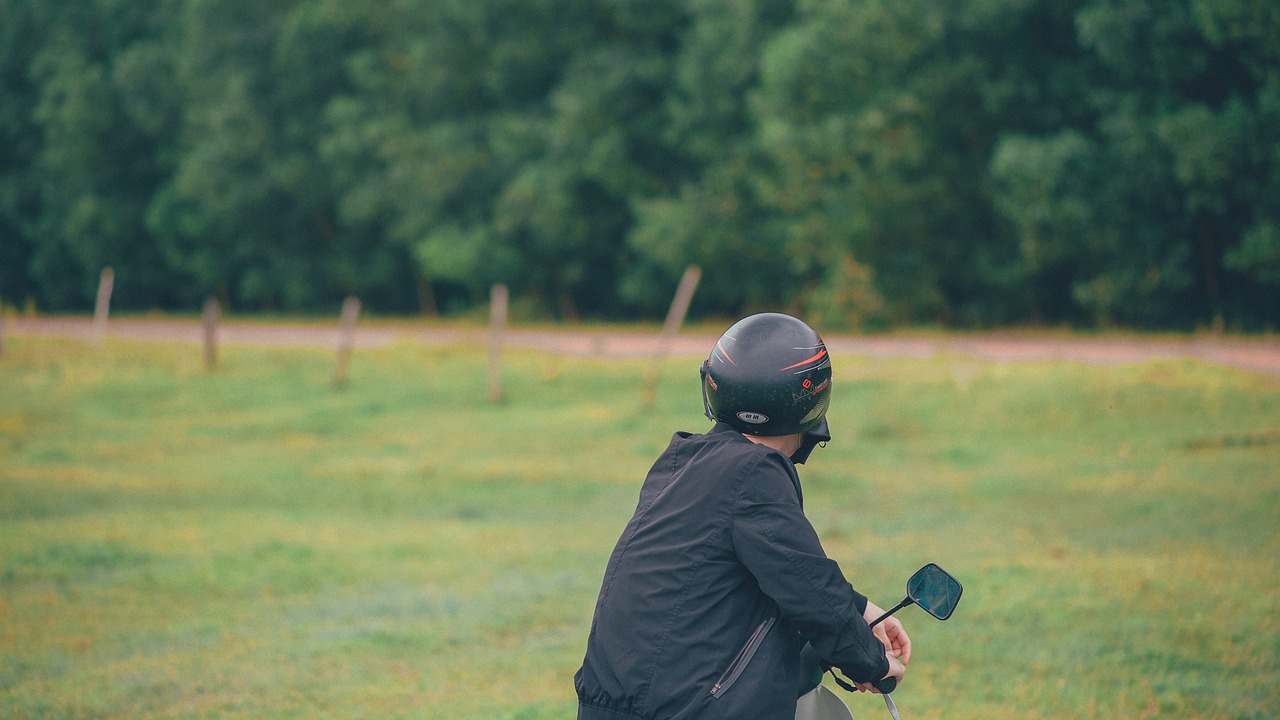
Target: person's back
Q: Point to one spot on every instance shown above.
(718, 579)
(678, 607)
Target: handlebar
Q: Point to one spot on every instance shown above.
(886, 685)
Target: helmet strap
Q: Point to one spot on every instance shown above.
(819, 435)
(807, 444)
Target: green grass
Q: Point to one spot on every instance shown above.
(252, 543)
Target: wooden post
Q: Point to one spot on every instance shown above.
(675, 318)
(498, 321)
(103, 306)
(1, 330)
(346, 339)
(209, 319)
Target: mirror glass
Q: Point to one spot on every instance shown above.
(934, 590)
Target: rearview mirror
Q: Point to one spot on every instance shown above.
(935, 591)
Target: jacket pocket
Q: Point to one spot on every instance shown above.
(739, 663)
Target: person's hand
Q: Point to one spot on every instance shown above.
(896, 670)
(897, 645)
(891, 633)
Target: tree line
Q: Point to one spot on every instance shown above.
(969, 163)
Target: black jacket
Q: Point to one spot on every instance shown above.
(712, 590)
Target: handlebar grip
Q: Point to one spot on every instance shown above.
(886, 685)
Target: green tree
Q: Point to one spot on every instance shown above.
(863, 168)
(502, 141)
(1153, 206)
(973, 162)
(246, 209)
(76, 195)
(20, 35)
(706, 208)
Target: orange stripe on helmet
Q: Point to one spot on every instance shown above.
(804, 362)
(725, 354)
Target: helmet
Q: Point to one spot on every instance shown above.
(769, 374)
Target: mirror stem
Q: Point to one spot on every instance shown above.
(905, 602)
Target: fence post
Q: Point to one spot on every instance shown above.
(346, 339)
(209, 319)
(498, 321)
(1, 329)
(103, 306)
(675, 318)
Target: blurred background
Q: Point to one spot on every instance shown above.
(418, 530)
(971, 163)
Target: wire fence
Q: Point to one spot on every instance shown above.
(1259, 353)
(213, 331)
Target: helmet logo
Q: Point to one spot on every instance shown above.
(754, 418)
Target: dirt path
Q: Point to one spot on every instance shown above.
(1258, 354)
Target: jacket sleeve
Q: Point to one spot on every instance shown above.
(775, 541)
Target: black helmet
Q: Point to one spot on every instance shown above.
(769, 374)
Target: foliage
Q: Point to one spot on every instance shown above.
(251, 543)
(968, 163)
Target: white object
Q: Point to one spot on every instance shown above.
(822, 704)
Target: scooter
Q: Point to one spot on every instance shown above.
(931, 588)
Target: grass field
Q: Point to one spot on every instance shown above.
(253, 543)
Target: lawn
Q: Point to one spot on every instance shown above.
(253, 543)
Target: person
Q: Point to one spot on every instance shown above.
(718, 580)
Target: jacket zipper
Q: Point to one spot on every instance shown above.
(744, 656)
